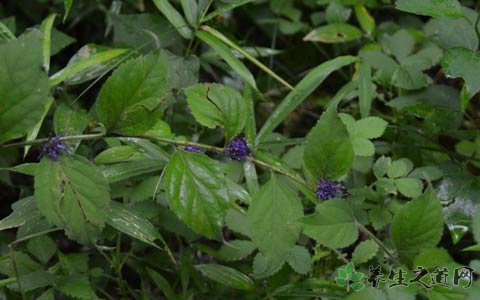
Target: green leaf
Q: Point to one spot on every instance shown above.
(143, 32)
(272, 219)
(76, 285)
(381, 166)
(75, 68)
(23, 210)
(332, 225)
(46, 28)
(365, 89)
(400, 168)
(409, 78)
(445, 30)
(23, 85)
(417, 225)
(215, 105)
(33, 133)
(226, 276)
(236, 250)
(197, 192)
(409, 187)
(262, 267)
(123, 219)
(225, 8)
(432, 8)
(67, 4)
(33, 281)
(174, 17)
(328, 151)
(163, 284)
(42, 247)
(299, 259)
(464, 63)
(126, 170)
(226, 54)
(237, 221)
(67, 121)
(379, 217)
(245, 54)
(364, 251)
(190, 10)
(369, 128)
(334, 33)
(366, 21)
(302, 90)
(118, 154)
(476, 225)
(133, 98)
(73, 194)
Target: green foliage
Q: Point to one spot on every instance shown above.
(119, 172)
(197, 192)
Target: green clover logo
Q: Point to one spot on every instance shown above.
(349, 278)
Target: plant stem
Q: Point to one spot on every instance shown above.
(118, 267)
(278, 170)
(162, 140)
(372, 236)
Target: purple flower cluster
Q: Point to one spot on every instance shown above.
(327, 189)
(238, 148)
(193, 149)
(53, 147)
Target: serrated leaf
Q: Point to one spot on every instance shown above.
(381, 166)
(379, 217)
(272, 220)
(67, 121)
(364, 251)
(464, 63)
(417, 225)
(226, 276)
(215, 105)
(23, 85)
(237, 222)
(196, 190)
(262, 267)
(369, 128)
(33, 281)
(400, 168)
(299, 259)
(73, 194)
(133, 97)
(432, 8)
(328, 151)
(76, 286)
(332, 225)
(42, 247)
(409, 187)
(23, 210)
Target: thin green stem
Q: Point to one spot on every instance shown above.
(118, 267)
(278, 170)
(17, 274)
(372, 236)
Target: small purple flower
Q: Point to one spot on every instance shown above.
(193, 149)
(238, 148)
(53, 147)
(327, 189)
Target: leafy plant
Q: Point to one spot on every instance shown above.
(239, 149)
